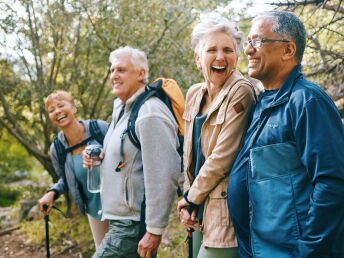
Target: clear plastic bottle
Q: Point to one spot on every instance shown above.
(93, 173)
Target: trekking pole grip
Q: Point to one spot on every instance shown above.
(45, 208)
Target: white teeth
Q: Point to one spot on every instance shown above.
(61, 117)
(218, 67)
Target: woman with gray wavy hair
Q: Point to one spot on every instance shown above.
(216, 116)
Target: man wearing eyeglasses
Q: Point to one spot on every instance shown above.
(286, 187)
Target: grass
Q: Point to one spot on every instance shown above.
(75, 231)
(64, 233)
(173, 244)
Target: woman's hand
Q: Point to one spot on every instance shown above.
(46, 202)
(182, 204)
(88, 161)
(186, 219)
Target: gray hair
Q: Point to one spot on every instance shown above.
(287, 23)
(138, 58)
(213, 22)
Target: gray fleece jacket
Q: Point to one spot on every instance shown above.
(72, 185)
(152, 172)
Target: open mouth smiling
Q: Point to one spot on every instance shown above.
(61, 118)
(218, 69)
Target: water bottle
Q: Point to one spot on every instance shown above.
(93, 176)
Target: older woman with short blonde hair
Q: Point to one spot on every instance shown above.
(62, 111)
(216, 117)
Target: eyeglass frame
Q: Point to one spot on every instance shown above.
(260, 41)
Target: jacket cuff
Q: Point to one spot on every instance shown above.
(155, 231)
(191, 205)
(57, 194)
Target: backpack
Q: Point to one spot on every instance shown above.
(61, 151)
(168, 91)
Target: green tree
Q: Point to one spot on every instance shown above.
(14, 158)
(50, 45)
(324, 56)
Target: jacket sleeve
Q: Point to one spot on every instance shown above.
(218, 164)
(319, 136)
(161, 167)
(60, 187)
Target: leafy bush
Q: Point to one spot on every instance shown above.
(8, 196)
(14, 160)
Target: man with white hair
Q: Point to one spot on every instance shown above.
(132, 176)
(286, 187)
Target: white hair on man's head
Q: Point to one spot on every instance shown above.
(211, 22)
(138, 58)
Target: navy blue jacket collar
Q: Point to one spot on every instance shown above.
(286, 89)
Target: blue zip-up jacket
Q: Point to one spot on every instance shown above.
(295, 179)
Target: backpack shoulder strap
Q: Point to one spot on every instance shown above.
(61, 158)
(141, 99)
(95, 131)
(61, 152)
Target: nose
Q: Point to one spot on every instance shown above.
(113, 75)
(249, 49)
(56, 111)
(219, 55)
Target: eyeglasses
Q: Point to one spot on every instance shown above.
(257, 42)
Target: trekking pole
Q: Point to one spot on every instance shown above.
(189, 236)
(189, 233)
(46, 219)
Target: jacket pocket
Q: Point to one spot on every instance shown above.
(278, 188)
(126, 191)
(216, 210)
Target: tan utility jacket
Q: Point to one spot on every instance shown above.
(221, 138)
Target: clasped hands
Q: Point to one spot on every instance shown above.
(187, 219)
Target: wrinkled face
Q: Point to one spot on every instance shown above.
(264, 62)
(61, 112)
(217, 58)
(125, 79)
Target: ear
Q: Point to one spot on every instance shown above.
(289, 51)
(142, 74)
(197, 60)
(75, 110)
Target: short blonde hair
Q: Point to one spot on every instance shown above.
(211, 22)
(58, 95)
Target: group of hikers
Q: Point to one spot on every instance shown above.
(261, 176)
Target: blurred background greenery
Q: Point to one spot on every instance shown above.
(65, 44)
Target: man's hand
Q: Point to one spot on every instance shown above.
(148, 245)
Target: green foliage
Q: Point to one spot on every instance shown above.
(8, 196)
(66, 45)
(64, 233)
(13, 158)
